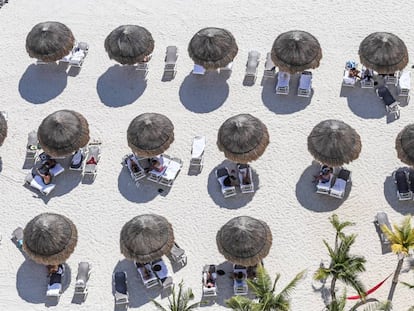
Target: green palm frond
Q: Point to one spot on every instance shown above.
(179, 301)
(287, 291)
(239, 303)
(410, 286)
(339, 226)
(338, 304)
(262, 283)
(379, 306)
(158, 305)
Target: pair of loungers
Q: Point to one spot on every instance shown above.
(338, 188)
(75, 57)
(404, 180)
(54, 288)
(245, 180)
(304, 87)
(366, 76)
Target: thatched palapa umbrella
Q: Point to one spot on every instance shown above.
(150, 134)
(63, 132)
(383, 52)
(3, 129)
(129, 44)
(243, 138)
(213, 48)
(404, 143)
(146, 238)
(244, 240)
(295, 51)
(334, 143)
(50, 238)
(49, 41)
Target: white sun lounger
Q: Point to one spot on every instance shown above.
(324, 187)
(171, 172)
(269, 68)
(339, 186)
(305, 84)
(148, 277)
(221, 174)
(282, 86)
(391, 78)
(177, 255)
(382, 219)
(245, 175)
(155, 175)
(32, 146)
(121, 289)
(240, 285)
(170, 67)
(78, 160)
(93, 158)
(367, 78)
(403, 189)
(54, 288)
(37, 183)
(81, 284)
(253, 60)
(404, 83)
(347, 80)
(161, 271)
(139, 172)
(197, 153)
(79, 54)
(199, 70)
(208, 279)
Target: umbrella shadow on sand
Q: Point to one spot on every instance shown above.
(135, 286)
(309, 199)
(390, 193)
(32, 280)
(41, 83)
(237, 201)
(144, 192)
(121, 85)
(364, 102)
(204, 93)
(284, 104)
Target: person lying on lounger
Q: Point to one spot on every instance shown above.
(324, 175)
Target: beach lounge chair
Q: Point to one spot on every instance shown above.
(78, 54)
(81, 284)
(323, 186)
(411, 179)
(221, 174)
(54, 288)
(171, 56)
(382, 219)
(17, 237)
(177, 255)
(197, 153)
(92, 159)
(78, 160)
(161, 271)
(36, 182)
(148, 276)
(269, 68)
(391, 78)
(401, 181)
(367, 78)
(282, 85)
(347, 80)
(240, 280)
(253, 60)
(134, 167)
(391, 105)
(56, 170)
(208, 279)
(199, 70)
(171, 172)
(404, 83)
(32, 146)
(245, 178)
(121, 289)
(339, 186)
(305, 84)
(155, 174)
(228, 68)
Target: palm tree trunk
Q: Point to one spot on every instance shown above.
(333, 283)
(395, 279)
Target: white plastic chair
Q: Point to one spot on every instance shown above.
(282, 86)
(305, 84)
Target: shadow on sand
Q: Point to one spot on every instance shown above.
(205, 93)
(121, 85)
(138, 294)
(32, 280)
(237, 201)
(41, 83)
(364, 102)
(309, 199)
(390, 193)
(284, 104)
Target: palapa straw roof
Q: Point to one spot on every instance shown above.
(404, 143)
(50, 238)
(295, 51)
(49, 41)
(146, 238)
(244, 240)
(150, 134)
(243, 138)
(63, 132)
(3, 129)
(383, 52)
(334, 143)
(129, 44)
(213, 48)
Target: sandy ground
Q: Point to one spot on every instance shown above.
(109, 96)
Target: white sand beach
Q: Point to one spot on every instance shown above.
(110, 96)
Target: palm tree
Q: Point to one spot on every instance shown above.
(343, 266)
(266, 298)
(179, 302)
(402, 241)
